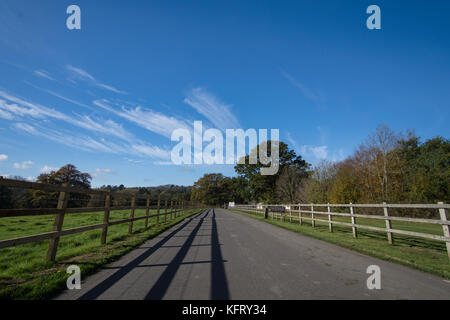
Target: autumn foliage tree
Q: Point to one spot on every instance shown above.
(388, 167)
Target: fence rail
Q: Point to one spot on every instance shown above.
(289, 211)
(167, 210)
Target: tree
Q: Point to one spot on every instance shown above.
(317, 187)
(262, 186)
(427, 169)
(212, 189)
(382, 161)
(68, 175)
(345, 187)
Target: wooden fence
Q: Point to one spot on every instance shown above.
(294, 212)
(167, 209)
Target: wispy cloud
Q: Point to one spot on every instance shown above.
(23, 165)
(212, 108)
(90, 144)
(18, 108)
(46, 169)
(104, 171)
(309, 152)
(3, 157)
(146, 118)
(82, 142)
(99, 172)
(43, 74)
(292, 142)
(106, 126)
(152, 151)
(318, 152)
(81, 74)
(317, 98)
(5, 114)
(55, 94)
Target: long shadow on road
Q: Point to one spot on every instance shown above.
(218, 281)
(110, 281)
(219, 284)
(162, 284)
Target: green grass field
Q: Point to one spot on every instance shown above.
(24, 272)
(423, 254)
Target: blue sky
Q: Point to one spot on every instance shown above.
(107, 97)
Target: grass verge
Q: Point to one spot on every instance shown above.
(423, 254)
(24, 273)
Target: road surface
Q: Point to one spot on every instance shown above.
(219, 254)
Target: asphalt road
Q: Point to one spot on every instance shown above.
(219, 254)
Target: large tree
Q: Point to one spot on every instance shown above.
(263, 187)
(212, 189)
(68, 175)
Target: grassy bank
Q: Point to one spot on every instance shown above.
(24, 273)
(423, 254)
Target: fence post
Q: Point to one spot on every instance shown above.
(158, 210)
(57, 225)
(355, 233)
(330, 218)
(171, 209)
(106, 218)
(445, 227)
(388, 225)
(165, 211)
(290, 214)
(313, 223)
(175, 208)
(130, 225)
(299, 214)
(147, 211)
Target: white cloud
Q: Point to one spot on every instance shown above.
(163, 163)
(43, 74)
(80, 72)
(24, 165)
(212, 108)
(98, 172)
(60, 96)
(317, 98)
(87, 143)
(107, 127)
(293, 143)
(146, 118)
(84, 75)
(5, 114)
(152, 151)
(46, 169)
(318, 152)
(23, 109)
(104, 171)
(3, 157)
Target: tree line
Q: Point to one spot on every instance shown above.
(387, 166)
(72, 177)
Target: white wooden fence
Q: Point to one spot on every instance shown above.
(289, 211)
